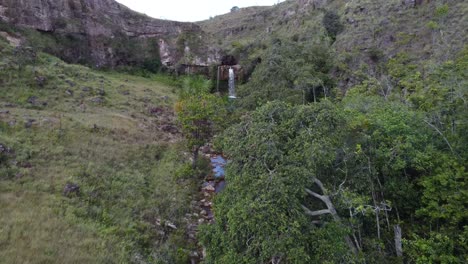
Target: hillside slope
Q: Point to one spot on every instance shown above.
(372, 30)
(87, 165)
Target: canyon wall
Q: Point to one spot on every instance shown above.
(104, 33)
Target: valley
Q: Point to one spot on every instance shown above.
(310, 131)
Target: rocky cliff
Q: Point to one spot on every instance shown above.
(105, 33)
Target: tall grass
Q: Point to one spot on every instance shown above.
(113, 149)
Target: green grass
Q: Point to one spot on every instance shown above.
(114, 150)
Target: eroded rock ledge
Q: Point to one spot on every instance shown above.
(104, 33)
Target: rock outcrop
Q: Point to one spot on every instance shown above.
(104, 33)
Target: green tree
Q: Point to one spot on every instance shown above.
(332, 23)
(292, 72)
(340, 180)
(235, 9)
(200, 113)
(260, 217)
(418, 159)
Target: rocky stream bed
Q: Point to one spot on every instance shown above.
(213, 183)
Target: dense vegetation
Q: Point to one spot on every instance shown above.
(336, 154)
(378, 176)
(295, 72)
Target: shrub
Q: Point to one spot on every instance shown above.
(332, 23)
(375, 54)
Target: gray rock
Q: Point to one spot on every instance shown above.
(71, 189)
(71, 83)
(29, 123)
(40, 80)
(97, 100)
(101, 21)
(171, 225)
(32, 100)
(209, 188)
(170, 129)
(4, 149)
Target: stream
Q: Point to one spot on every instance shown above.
(218, 162)
(214, 183)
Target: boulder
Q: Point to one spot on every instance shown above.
(40, 80)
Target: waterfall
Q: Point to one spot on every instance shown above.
(232, 91)
(217, 78)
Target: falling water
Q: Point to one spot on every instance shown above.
(232, 91)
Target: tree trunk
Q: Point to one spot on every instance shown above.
(313, 91)
(330, 210)
(377, 222)
(398, 246)
(195, 157)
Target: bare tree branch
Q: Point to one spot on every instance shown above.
(442, 135)
(319, 184)
(315, 213)
(330, 210)
(316, 195)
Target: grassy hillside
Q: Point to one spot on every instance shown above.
(236, 23)
(372, 31)
(252, 28)
(113, 136)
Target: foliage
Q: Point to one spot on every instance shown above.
(234, 9)
(445, 193)
(199, 113)
(437, 248)
(327, 182)
(199, 117)
(332, 23)
(378, 161)
(263, 202)
(194, 86)
(264, 221)
(439, 92)
(442, 11)
(291, 72)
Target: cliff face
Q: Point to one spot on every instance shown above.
(106, 33)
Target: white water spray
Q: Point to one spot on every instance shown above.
(232, 77)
